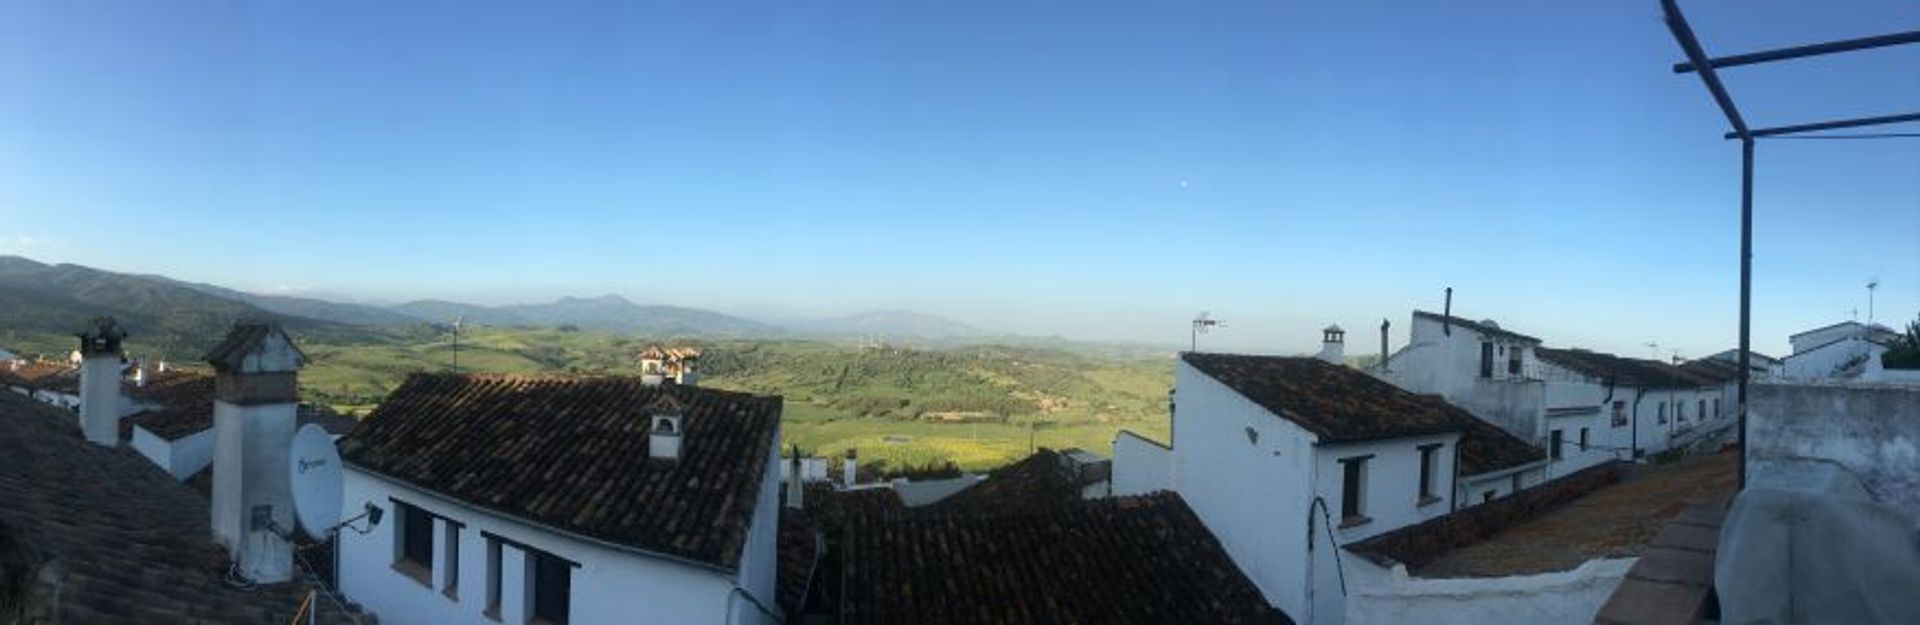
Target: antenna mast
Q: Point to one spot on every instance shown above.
(1201, 323)
(456, 342)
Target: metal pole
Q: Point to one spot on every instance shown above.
(1782, 54)
(1746, 292)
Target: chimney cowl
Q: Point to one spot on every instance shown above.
(664, 434)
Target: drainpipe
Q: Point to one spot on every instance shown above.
(1635, 417)
(1606, 407)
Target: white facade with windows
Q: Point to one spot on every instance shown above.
(477, 566)
(1491, 372)
(1263, 485)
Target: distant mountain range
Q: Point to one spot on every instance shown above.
(43, 298)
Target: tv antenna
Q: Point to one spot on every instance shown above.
(1201, 324)
(1655, 347)
(456, 341)
(1872, 284)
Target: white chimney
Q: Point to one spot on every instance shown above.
(256, 383)
(653, 369)
(100, 382)
(140, 372)
(1333, 346)
(851, 468)
(663, 437)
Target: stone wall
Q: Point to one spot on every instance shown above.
(1872, 430)
(1417, 545)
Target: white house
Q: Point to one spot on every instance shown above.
(1477, 365)
(554, 500)
(1603, 407)
(1845, 351)
(1284, 459)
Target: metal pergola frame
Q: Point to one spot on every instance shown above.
(1698, 62)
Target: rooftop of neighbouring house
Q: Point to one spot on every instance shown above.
(48, 375)
(1043, 479)
(573, 453)
(92, 534)
(1628, 371)
(1613, 520)
(1341, 404)
(181, 405)
(1484, 327)
(1146, 559)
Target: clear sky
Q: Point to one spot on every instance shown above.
(1098, 170)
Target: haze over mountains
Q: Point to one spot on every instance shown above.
(56, 298)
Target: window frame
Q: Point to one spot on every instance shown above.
(542, 569)
(1583, 438)
(1555, 439)
(1429, 465)
(409, 538)
(1353, 490)
(1486, 360)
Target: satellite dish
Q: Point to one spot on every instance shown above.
(313, 468)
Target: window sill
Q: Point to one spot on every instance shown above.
(1355, 521)
(1426, 501)
(415, 571)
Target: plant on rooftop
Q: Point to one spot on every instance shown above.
(1904, 354)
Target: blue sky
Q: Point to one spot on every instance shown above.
(1093, 170)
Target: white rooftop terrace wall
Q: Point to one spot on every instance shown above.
(1378, 595)
(1140, 465)
(181, 457)
(1871, 429)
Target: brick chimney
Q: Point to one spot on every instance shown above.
(256, 383)
(100, 401)
(664, 435)
(1333, 345)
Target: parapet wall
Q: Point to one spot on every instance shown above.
(1871, 429)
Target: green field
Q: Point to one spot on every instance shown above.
(977, 407)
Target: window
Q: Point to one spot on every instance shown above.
(414, 543)
(1583, 439)
(1702, 414)
(1513, 361)
(1486, 360)
(1487, 496)
(1516, 482)
(1716, 407)
(1352, 488)
(1427, 454)
(1553, 445)
(1680, 410)
(1619, 413)
(552, 585)
(1663, 412)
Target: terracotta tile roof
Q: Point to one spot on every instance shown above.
(1038, 481)
(1625, 371)
(1144, 559)
(184, 406)
(100, 535)
(572, 453)
(1333, 402)
(1476, 326)
(59, 377)
(801, 546)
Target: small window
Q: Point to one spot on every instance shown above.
(1702, 414)
(1553, 445)
(1513, 361)
(1716, 407)
(1680, 410)
(1352, 488)
(1486, 360)
(1427, 456)
(1516, 483)
(552, 587)
(1619, 413)
(1583, 439)
(452, 546)
(1662, 416)
(1487, 496)
(415, 541)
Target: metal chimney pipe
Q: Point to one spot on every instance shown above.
(1384, 324)
(1446, 320)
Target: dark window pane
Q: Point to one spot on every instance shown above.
(417, 533)
(552, 583)
(1350, 489)
(1486, 360)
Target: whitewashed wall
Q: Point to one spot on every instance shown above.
(610, 585)
(1252, 491)
(1434, 362)
(180, 458)
(1382, 596)
(1140, 465)
(1474, 488)
(1390, 489)
(1822, 362)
